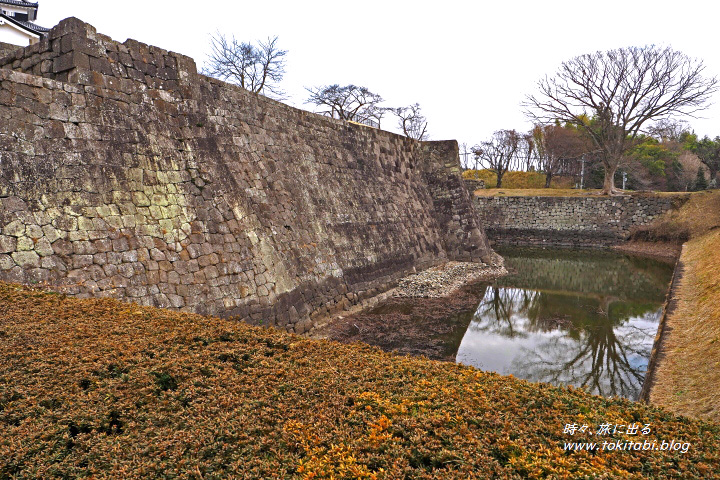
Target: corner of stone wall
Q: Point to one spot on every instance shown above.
(74, 52)
(455, 212)
(7, 49)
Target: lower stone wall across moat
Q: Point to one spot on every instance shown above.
(589, 221)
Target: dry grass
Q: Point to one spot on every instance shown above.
(535, 192)
(560, 192)
(688, 374)
(697, 216)
(687, 379)
(517, 179)
(101, 389)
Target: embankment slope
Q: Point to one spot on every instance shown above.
(686, 379)
(113, 390)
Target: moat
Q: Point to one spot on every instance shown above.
(586, 318)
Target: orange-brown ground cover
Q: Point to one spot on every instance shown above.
(98, 388)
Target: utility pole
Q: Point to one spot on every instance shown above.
(465, 154)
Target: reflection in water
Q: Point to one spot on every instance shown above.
(573, 331)
(583, 318)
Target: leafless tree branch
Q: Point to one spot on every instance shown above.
(350, 102)
(412, 122)
(256, 68)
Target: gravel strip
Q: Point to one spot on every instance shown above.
(442, 280)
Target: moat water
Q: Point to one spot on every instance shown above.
(568, 317)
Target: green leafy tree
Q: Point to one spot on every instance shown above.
(651, 163)
(653, 156)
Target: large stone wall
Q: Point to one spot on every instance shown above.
(124, 173)
(569, 221)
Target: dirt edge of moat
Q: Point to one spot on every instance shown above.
(664, 251)
(442, 291)
(659, 350)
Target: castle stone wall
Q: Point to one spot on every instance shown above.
(7, 48)
(124, 173)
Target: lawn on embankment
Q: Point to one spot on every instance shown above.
(563, 192)
(112, 390)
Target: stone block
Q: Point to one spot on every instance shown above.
(7, 244)
(6, 262)
(43, 247)
(27, 259)
(120, 244)
(16, 228)
(62, 247)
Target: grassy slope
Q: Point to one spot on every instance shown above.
(687, 379)
(98, 387)
(556, 192)
(688, 375)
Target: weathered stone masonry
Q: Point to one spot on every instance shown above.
(569, 221)
(124, 173)
(7, 48)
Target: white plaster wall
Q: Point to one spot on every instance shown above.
(10, 34)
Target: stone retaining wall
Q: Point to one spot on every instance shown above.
(124, 173)
(569, 221)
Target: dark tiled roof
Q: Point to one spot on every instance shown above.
(34, 27)
(26, 25)
(19, 3)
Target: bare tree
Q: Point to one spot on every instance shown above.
(557, 149)
(668, 130)
(529, 159)
(256, 68)
(612, 94)
(412, 122)
(350, 102)
(499, 154)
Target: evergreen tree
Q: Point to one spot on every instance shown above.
(700, 182)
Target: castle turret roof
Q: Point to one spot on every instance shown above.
(19, 3)
(29, 26)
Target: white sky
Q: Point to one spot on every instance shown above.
(468, 64)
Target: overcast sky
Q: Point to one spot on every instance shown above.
(468, 64)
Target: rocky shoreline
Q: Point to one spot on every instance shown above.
(443, 280)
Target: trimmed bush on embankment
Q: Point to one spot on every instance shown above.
(102, 389)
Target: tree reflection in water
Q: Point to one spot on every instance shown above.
(599, 343)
